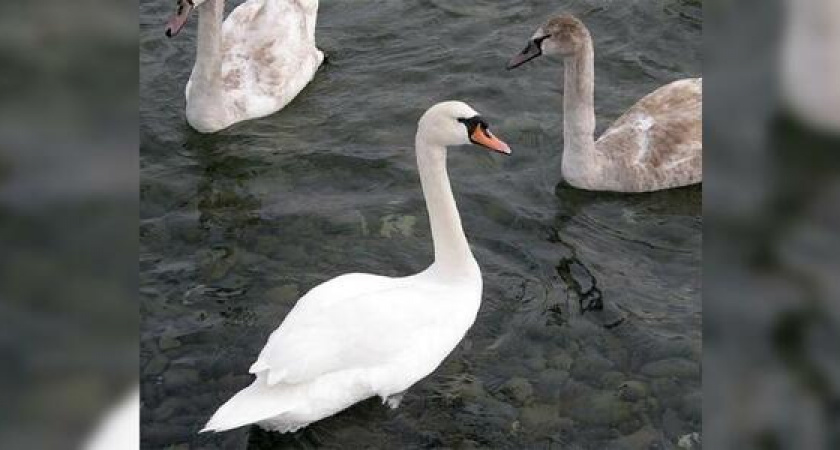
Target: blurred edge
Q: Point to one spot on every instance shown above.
(772, 225)
(68, 217)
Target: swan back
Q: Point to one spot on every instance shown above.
(658, 142)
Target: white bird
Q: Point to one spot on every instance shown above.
(360, 335)
(252, 64)
(656, 144)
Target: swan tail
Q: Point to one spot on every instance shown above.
(259, 366)
(256, 403)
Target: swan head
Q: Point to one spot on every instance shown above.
(182, 13)
(562, 36)
(456, 123)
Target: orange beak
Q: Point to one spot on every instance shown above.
(485, 138)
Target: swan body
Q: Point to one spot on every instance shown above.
(656, 144)
(360, 335)
(250, 65)
(661, 140)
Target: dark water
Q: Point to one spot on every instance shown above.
(589, 332)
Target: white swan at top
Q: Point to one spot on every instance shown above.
(360, 335)
(656, 144)
(252, 64)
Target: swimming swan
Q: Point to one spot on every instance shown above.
(361, 335)
(657, 144)
(253, 64)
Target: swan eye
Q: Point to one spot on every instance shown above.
(479, 133)
(183, 4)
(474, 122)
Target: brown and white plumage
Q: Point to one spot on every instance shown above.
(251, 64)
(657, 143)
(654, 145)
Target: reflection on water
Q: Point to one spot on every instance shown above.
(589, 331)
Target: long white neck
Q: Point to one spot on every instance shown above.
(207, 74)
(579, 113)
(452, 251)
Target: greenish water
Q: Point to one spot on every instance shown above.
(589, 334)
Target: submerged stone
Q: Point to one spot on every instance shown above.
(468, 444)
(551, 380)
(394, 225)
(643, 438)
(156, 365)
(672, 368)
(536, 363)
(465, 388)
(690, 441)
(601, 408)
(167, 408)
(672, 425)
(181, 377)
(562, 361)
(632, 391)
(692, 406)
(168, 343)
(539, 417)
(216, 263)
(519, 390)
(612, 379)
(283, 294)
(589, 367)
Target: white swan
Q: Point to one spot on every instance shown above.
(361, 335)
(657, 144)
(252, 64)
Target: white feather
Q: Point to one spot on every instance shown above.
(361, 335)
(265, 56)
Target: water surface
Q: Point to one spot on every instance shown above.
(589, 331)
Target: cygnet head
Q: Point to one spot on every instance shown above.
(562, 36)
(182, 13)
(456, 123)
